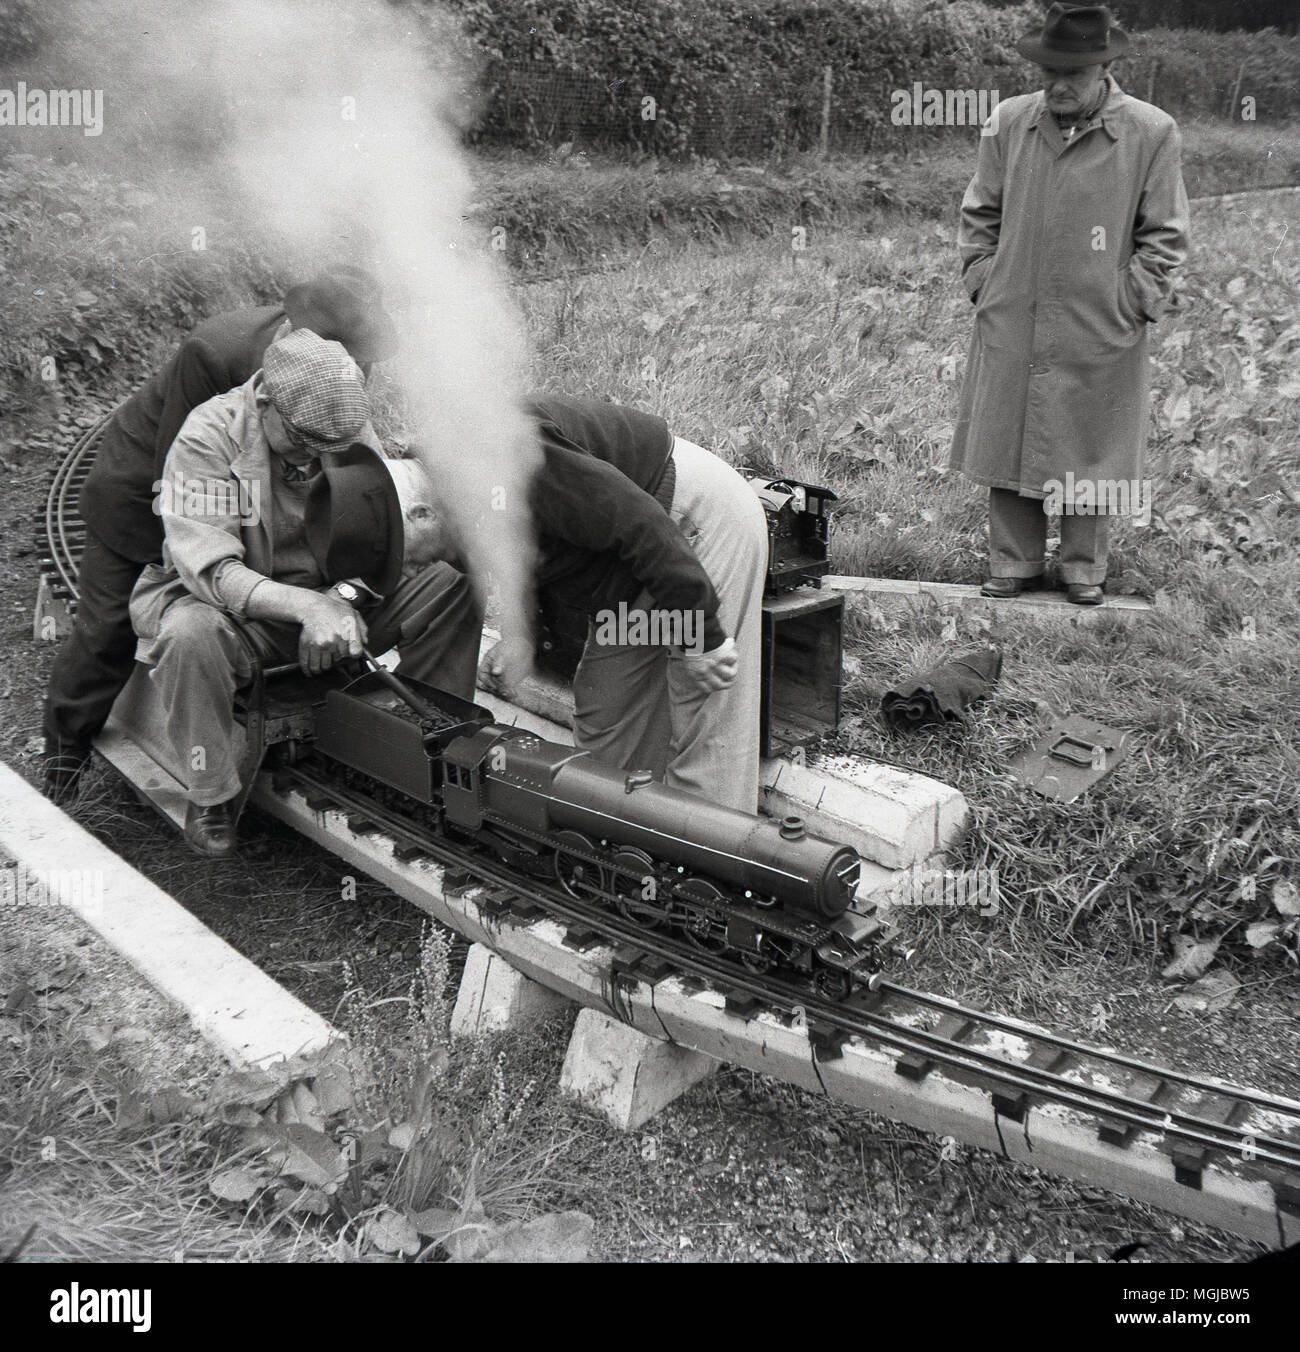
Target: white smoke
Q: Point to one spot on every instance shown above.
(334, 124)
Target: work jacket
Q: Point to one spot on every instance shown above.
(218, 555)
(1068, 251)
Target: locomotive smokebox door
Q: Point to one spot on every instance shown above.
(803, 638)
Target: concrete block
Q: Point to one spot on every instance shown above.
(493, 996)
(624, 1075)
(948, 597)
(888, 815)
(247, 1016)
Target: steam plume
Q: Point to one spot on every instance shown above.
(335, 125)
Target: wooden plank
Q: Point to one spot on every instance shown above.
(1036, 607)
(246, 1015)
(52, 614)
(917, 1065)
(1053, 1139)
(146, 776)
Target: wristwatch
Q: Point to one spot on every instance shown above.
(347, 592)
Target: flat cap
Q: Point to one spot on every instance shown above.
(317, 389)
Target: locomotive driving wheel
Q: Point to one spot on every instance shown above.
(579, 877)
(634, 877)
(831, 983)
(701, 915)
(758, 963)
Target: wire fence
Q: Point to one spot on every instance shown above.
(536, 104)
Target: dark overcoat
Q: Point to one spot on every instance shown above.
(117, 501)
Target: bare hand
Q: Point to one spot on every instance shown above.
(331, 632)
(505, 666)
(710, 671)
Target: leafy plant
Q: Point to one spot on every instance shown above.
(401, 1146)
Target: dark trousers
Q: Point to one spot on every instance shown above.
(1018, 540)
(96, 659)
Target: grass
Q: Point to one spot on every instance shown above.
(838, 365)
(584, 209)
(100, 273)
(106, 1162)
(115, 1153)
(841, 366)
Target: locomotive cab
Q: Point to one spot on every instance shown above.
(462, 779)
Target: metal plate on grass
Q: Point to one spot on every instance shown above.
(1070, 758)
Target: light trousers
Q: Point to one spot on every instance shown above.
(632, 707)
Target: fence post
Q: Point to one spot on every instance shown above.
(1233, 103)
(824, 140)
(1151, 80)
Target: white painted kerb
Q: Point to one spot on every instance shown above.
(235, 1006)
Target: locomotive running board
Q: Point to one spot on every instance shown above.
(859, 1073)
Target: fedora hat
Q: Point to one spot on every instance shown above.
(344, 304)
(353, 519)
(1074, 36)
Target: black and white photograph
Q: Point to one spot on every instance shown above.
(650, 634)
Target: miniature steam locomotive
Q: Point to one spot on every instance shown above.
(766, 892)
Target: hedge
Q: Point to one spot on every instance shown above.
(732, 81)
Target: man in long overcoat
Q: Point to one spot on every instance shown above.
(1071, 231)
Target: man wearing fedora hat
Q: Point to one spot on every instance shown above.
(314, 573)
(1071, 232)
(124, 530)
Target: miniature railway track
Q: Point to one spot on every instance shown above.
(1195, 1117)
(61, 537)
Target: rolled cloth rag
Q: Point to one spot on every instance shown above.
(944, 691)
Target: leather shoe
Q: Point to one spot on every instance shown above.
(1084, 593)
(63, 771)
(210, 831)
(1004, 588)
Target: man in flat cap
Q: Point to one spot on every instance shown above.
(124, 530)
(281, 517)
(1071, 232)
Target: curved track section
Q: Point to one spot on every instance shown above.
(61, 536)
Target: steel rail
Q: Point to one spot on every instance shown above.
(63, 555)
(1289, 1107)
